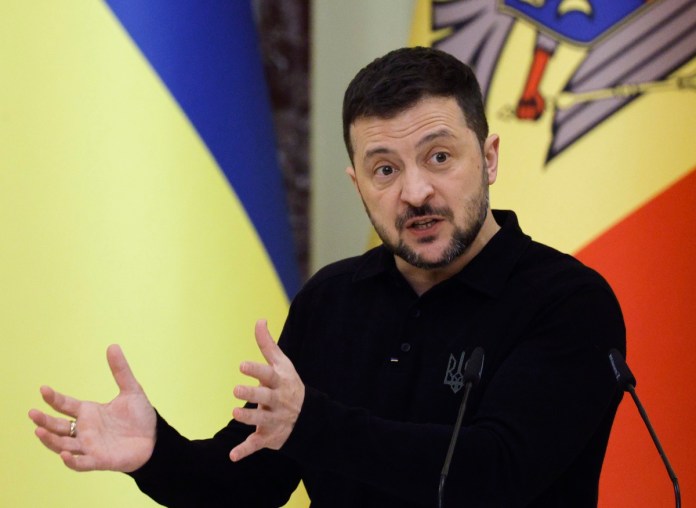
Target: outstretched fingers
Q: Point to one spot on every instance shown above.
(279, 397)
(61, 403)
(251, 445)
(58, 443)
(260, 395)
(54, 432)
(265, 374)
(59, 426)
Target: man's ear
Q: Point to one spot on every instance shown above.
(490, 156)
(350, 171)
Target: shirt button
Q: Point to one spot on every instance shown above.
(405, 347)
(416, 313)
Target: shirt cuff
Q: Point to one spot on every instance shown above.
(309, 427)
(168, 443)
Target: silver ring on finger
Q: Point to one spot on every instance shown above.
(73, 428)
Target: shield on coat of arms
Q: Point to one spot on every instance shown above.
(580, 22)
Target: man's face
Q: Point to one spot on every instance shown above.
(424, 179)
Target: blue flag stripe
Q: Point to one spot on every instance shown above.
(207, 53)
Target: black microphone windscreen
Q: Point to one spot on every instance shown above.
(474, 366)
(623, 374)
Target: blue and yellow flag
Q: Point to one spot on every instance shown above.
(141, 203)
(595, 104)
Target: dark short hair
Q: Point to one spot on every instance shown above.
(396, 81)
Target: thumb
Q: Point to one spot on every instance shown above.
(269, 349)
(121, 370)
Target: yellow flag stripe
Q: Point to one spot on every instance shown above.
(118, 227)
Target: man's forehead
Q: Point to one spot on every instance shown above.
(424, 121)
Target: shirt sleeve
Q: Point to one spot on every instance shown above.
(192, 473)
(546, 408)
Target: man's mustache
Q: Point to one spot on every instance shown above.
(414, 212)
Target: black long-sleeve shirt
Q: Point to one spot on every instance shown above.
(381, 368)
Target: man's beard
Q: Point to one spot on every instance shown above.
(462, 238)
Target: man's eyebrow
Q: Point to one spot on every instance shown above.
(381, 150)
(378, 150)
(442, 133)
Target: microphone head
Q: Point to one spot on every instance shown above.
(623, 374)
(473, 368)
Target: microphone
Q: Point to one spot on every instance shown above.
(473, 368)
(627, 382)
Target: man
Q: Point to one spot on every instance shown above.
(359, 397)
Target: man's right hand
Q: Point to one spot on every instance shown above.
(116, 436)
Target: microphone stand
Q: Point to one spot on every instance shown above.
(472, 375)
(627, 382)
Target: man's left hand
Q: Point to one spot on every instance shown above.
(279, 397)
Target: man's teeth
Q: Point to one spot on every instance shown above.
(423, 224)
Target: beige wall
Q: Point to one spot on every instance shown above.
(347, 34)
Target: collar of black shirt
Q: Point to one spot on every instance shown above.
(486, 273)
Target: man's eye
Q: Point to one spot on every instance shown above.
(384, 170)
(440, 157)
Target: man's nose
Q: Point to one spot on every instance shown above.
(416, 187)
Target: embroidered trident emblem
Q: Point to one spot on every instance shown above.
(454, 377)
